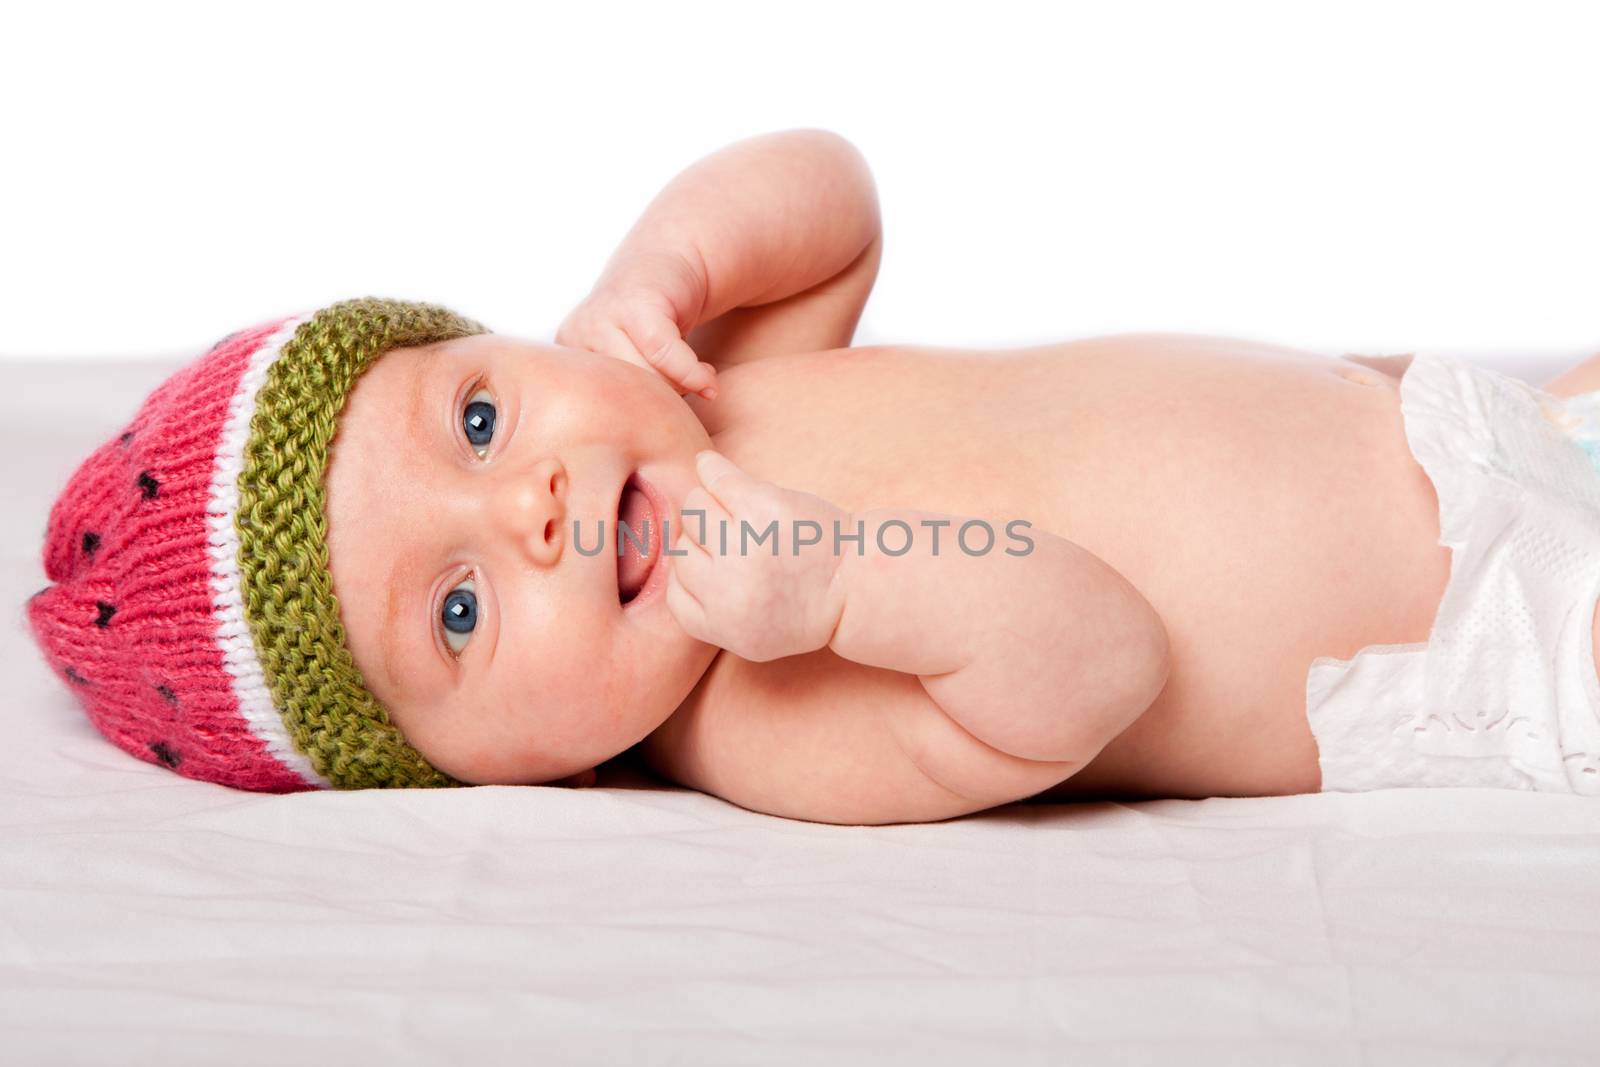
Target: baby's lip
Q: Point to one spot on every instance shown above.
(654, 532)
(616, 545)
(616, 533)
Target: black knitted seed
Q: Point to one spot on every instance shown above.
(106, 611)
(165, 754)
(167, 694)
(125, 436)
(74, 676)
(91, 541)
(148, 484)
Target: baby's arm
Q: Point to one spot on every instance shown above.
(1046, 655)
(1035, 647)
(769, 245)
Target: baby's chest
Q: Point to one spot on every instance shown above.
(891, 428)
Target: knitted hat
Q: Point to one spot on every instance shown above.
(193, 612)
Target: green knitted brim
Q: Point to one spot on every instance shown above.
(283, 551)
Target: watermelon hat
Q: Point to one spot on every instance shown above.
(192, 610)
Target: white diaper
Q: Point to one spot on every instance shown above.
(1503, 693)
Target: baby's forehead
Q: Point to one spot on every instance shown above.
(374, 430)
(482, 344)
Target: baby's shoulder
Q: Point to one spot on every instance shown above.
(820, 738)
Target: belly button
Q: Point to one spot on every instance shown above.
(1357, 375)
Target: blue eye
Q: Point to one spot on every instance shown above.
(459, 614)
(477, 419)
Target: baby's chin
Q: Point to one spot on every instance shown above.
(501, 760)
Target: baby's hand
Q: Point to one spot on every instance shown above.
(744, 598)
(634, 314)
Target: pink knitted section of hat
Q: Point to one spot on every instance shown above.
(131, 621)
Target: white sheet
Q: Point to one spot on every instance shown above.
(145, 918)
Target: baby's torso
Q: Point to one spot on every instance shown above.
(1263, 500)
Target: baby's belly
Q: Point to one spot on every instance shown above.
(1301, 526)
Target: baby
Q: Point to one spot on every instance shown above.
(379, 545)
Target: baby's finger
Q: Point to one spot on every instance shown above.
(656, 338)
(696, 574)
(703, 518)
(685, 608)
(611, 341)
(701, 377)
(723, 479)
(682, 544)
(677, 363)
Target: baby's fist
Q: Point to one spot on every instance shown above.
(639, 312)
(757, 575)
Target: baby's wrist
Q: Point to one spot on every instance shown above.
(836, 595)
(676, 277)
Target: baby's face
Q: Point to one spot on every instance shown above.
(502, 653)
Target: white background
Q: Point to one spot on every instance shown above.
(1359, 177)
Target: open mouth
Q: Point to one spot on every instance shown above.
(638, 538)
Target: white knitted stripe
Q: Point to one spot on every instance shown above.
(222, 543)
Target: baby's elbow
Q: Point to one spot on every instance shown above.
(1106, 700)
(1145, 673)
(1158, 663)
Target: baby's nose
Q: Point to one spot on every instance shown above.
(529, 506)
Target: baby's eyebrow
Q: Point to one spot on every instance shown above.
(421, 378)
(415, 445)
(389, 637)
